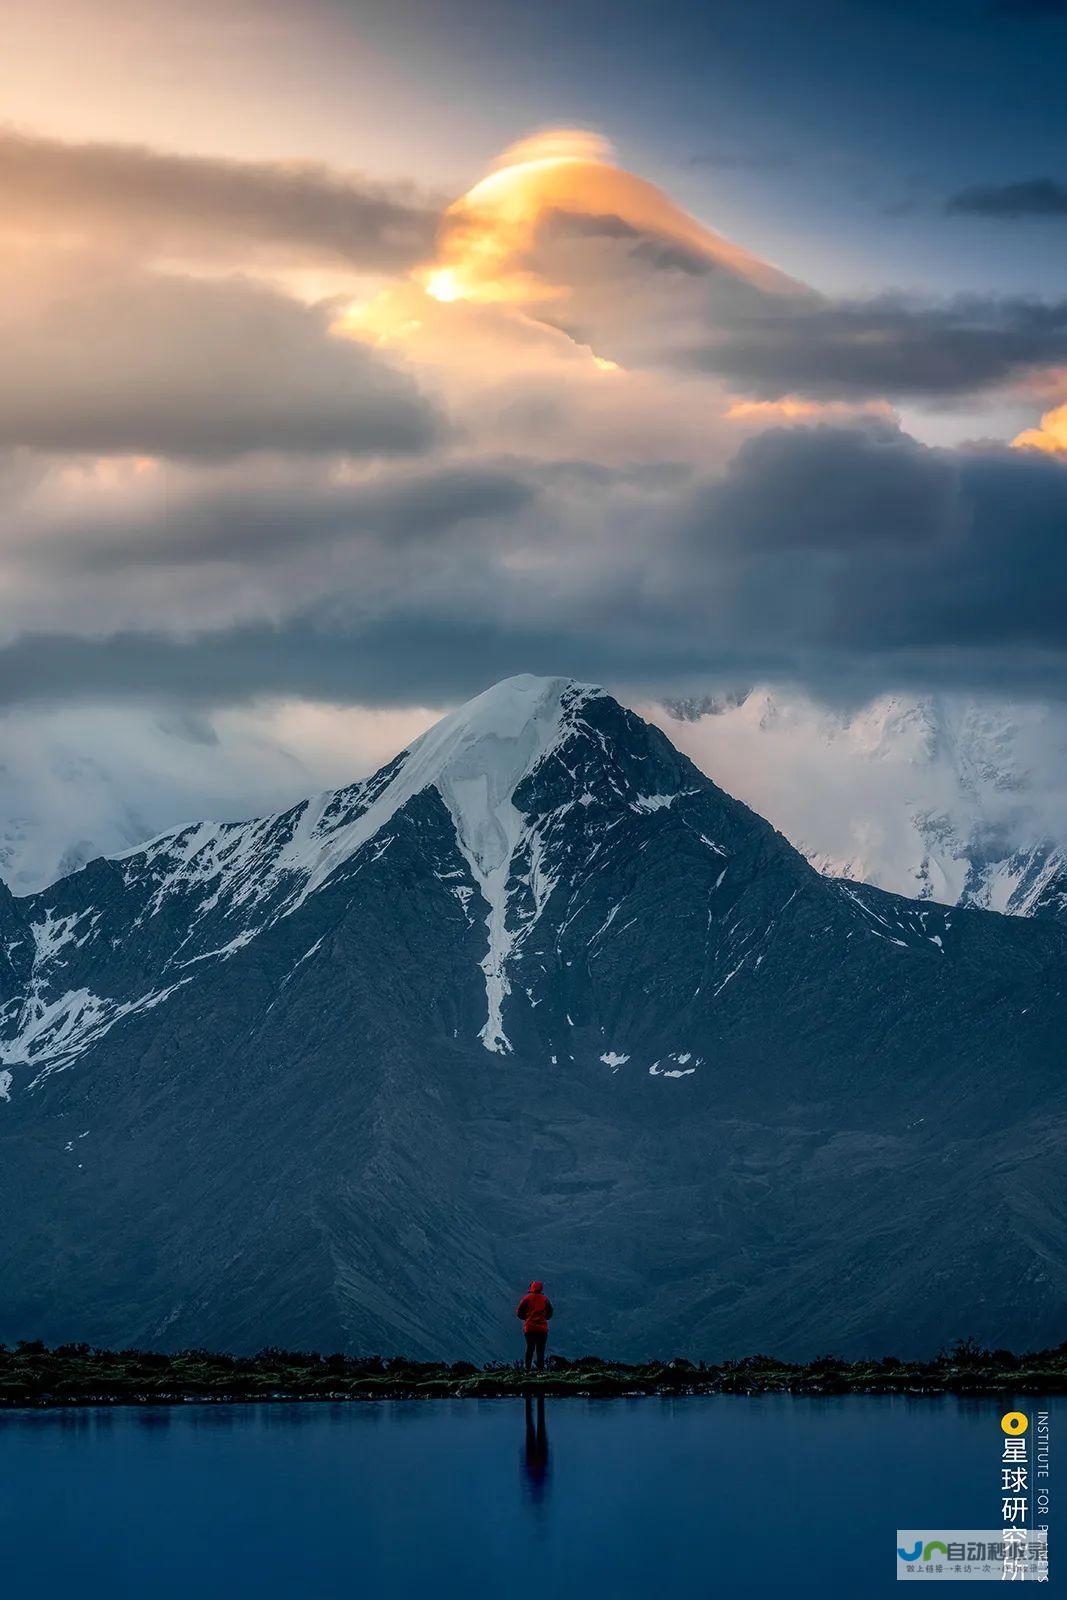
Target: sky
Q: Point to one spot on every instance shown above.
(358, 355)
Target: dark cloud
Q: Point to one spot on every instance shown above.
(402, 660)
(849, 559)
(661, 252)
(889, 346)
(867, 547)
(175, 204)
(279, 517)
(1037, 197)
(156, 364)
(828, 489)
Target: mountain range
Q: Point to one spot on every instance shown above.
(941, 797)
(538, 999)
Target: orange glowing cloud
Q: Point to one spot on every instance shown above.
(512, 319)
(793, 408)
(1050, 436)
(487, 235)
(497, 278)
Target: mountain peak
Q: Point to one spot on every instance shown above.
(475, 757)
(478, 754)
(515, 702)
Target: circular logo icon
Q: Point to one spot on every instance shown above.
(1014, 1422)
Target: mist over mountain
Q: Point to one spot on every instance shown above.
(86, 781)
(942, 797)
(538, 998)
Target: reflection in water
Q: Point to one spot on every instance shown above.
(154, 1419)
(535, 1468)
(391, 1500)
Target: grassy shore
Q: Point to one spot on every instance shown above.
(31, 1374)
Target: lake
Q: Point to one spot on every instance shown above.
(717, 1496)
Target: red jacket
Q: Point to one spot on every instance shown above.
(535, 1308)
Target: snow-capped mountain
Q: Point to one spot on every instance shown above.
(942, 798)
(536, 997)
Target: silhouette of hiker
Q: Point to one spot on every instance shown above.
(535, 1309)
(535, 1455)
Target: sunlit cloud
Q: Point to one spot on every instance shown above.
(1051, 436)
(106, 358)
(795, 408)
(489, 234)
(559, 237)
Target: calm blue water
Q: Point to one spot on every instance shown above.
(650, 1498)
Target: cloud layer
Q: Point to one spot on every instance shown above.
(840, 556)
(887, 346)
(151, 202)
(546, 438)
(116, 361)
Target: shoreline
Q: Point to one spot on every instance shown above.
(34, 1377)
(88, 1402)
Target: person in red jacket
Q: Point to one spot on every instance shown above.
(535, 1309)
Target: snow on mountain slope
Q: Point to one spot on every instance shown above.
(935, 797)
(198, 895)
(78, 784)
(477, 758)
